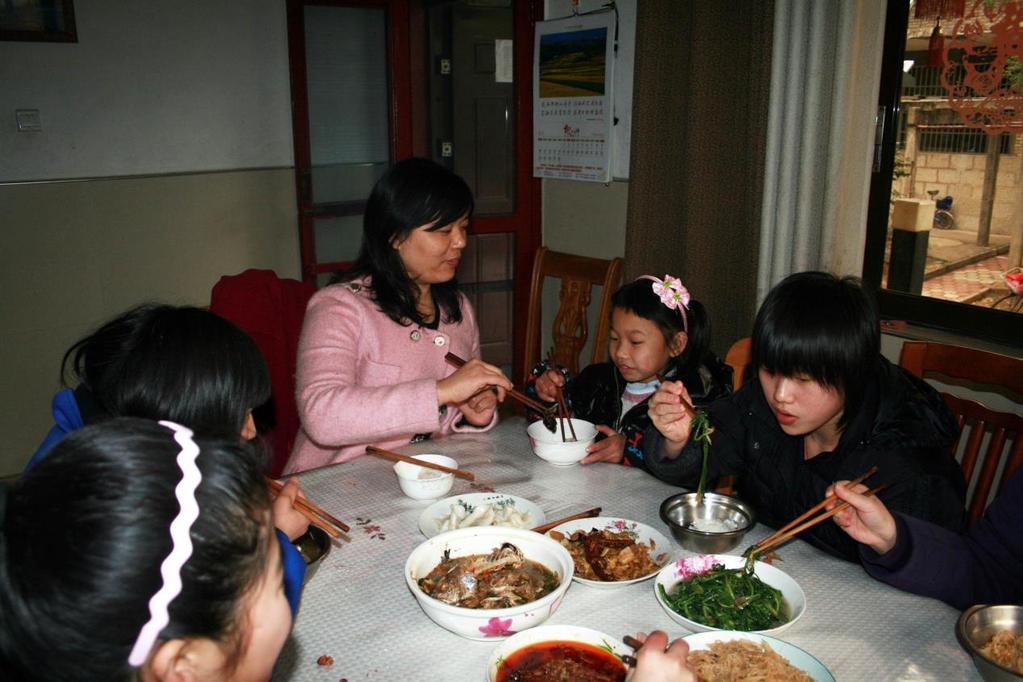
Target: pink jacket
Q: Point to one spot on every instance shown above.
(364, 379)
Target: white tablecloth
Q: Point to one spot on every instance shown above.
(358, 610)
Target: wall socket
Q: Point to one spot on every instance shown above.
(28, 120)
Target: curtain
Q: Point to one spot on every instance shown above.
(824, 84)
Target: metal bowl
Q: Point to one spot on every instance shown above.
(313, 545)
(975, 628)
(681, 510)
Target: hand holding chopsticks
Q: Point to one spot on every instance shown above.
(658, 658)
(396, 457)
(562, 405)
(316, 515)
(804, 520)
(512, 392)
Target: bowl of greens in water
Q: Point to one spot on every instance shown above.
(715, 592)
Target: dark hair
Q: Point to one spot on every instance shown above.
(412, 193)
(638, 297)
(826, 328)
(84, 536)
(179, 363)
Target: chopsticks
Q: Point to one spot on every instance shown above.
(395, 457)
(636, 645)
(794, 527)
(518, 395)
(562, 405)
(317, 516)
(685, 403)
(543, 528)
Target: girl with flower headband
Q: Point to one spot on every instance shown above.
(158, 560)
(657, 329)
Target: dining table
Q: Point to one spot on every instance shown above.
(359, 621)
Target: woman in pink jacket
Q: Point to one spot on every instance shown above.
(371, 367)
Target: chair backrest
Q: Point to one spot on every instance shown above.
(578, 275)
(1004, 447)
(270, 310)
(738, 358)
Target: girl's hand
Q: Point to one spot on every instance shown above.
(479, 409)
(468, 380)
(658, 662)
(547, 385)
(286, 517)
(866, 520)
(670, 418)
(611, 449)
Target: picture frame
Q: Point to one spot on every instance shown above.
(38, 20)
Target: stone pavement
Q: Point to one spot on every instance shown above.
(958, 269)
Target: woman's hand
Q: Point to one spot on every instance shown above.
(866, 520)
(479, 409)
(658, 662)
(286, 517)
(468, 380)
(547, 385)
(670, 418)
(611, 449)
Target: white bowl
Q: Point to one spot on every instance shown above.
(421, 483)
(552, 633)
(488, 624)
(660, 547)
(441, 509)
(549, 446)
(793, 654)
(676, 571)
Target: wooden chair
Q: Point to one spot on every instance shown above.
(578, 275)
(738, 358)
(1005, 429)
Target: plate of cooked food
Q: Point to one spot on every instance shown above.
(611, 552)
(480, 509)
(737, 656)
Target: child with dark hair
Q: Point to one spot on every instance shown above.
(180, 363)
(824, 406)
(158, 560)
(657, 330)
(371, 359)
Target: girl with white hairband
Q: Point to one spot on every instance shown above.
(657, 330)
(134, 551)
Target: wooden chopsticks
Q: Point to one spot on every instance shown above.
(396, 457)
(543, 528)
(800, 523)
(636, 645)
(562, 405)
(317, 516)
(518, 395)
(685, 403)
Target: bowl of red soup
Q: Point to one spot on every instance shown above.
(558, 652)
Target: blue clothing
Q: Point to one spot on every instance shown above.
(981, 566)
(67, 417)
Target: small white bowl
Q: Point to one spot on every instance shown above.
(673, 573)
(552, 633)
(797, 657)
(421, 483)
(488, 624)
(549, 446)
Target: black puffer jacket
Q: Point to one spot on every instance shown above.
(903, 426)
(596, 396)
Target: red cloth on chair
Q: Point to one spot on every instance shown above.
(270, 310)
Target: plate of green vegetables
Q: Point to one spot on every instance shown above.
(717, 592)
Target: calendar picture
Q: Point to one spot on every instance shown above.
(572, 93)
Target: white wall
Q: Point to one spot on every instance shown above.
(151, 87)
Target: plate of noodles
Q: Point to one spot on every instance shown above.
(610, 552)
(479, 509)
(747, 656)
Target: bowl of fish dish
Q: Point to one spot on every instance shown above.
(489, 582)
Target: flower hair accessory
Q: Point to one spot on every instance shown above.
(181, 548)
(672, 294)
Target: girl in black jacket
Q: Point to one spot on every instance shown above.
(824, 406)
(656, 329)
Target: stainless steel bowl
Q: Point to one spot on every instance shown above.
(681, 510)
(313, 545)
(975, 628)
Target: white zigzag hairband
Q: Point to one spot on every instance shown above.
(672, 294)
(181, 549)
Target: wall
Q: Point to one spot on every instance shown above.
(173, 119)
